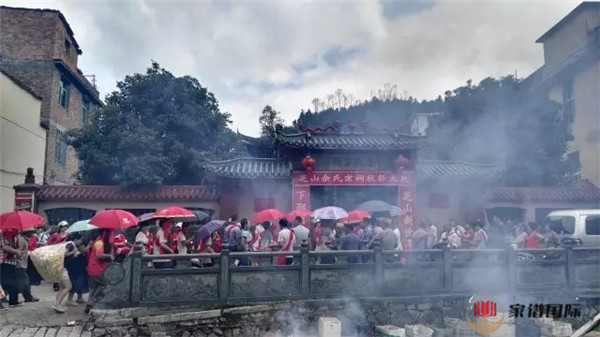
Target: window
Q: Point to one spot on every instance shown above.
(592, 225)
(63, 97)
(84, 109)
(568, 100)
(561, 224)
(67, 46)
(60, 152)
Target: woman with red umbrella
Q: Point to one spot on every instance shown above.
(13, 269)
(102, 251)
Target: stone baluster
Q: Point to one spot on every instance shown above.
(136, 274)
(224, 268)
(304, 272)
(377, 251)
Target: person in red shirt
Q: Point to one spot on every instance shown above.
(61, 236)
(162, 246)
(217, 242)
(534, 239)
(101, 255)
(468, 237)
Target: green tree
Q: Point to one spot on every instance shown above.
(268, 119)
(503, 121)
(155, 129)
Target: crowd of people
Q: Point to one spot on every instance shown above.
(88, 254)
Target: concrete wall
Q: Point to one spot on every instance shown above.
(566, 41)
(22, 139)
(586, 127)
(248, 189)
(569, 38)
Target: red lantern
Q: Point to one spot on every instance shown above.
(402, 162)
(308, 163)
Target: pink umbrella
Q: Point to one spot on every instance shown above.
(268, 215)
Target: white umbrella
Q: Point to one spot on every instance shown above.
(330, 213)
(396, 211)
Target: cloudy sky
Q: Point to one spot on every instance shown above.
(285, 53)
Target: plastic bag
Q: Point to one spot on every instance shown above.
(50, 261)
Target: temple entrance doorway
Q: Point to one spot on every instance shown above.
(349, 197)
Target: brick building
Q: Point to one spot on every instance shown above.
(38, 47)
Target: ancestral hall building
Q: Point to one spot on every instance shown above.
(321, 167)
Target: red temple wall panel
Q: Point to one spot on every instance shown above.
(261, 193)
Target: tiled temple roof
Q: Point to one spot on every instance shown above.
(351, 141)
(116, 193)
(275, 168)
(457, 170)
(549, 194)
(250, 168)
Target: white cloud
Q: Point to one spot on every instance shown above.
(247, 53)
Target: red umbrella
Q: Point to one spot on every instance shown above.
(291, 216)
(20, 220)
(268, 215)
(173, 212)
(356, 216)
(114, 219)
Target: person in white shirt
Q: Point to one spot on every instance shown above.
(301, 233)
(182, 241)
(398, 237)
(285, 240)
(432, 234)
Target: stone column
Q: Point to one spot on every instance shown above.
(25, 194)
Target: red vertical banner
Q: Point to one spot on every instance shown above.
(407, 202)
(300, 192)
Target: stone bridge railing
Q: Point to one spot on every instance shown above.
(380, 274)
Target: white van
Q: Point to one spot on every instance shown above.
(581, 226)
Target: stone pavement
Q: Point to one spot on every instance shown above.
(39, 320)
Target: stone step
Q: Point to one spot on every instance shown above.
(51, 332)
(64, 332)
(17, 332)
(41, 332)
(6, 330)
(77, 331)
(29, 332)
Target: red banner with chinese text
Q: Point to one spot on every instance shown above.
(346, 178)
(301, 198)
(407, 203)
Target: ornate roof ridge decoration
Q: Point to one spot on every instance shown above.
(337, 128)
(250, 167)
(87, 193)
